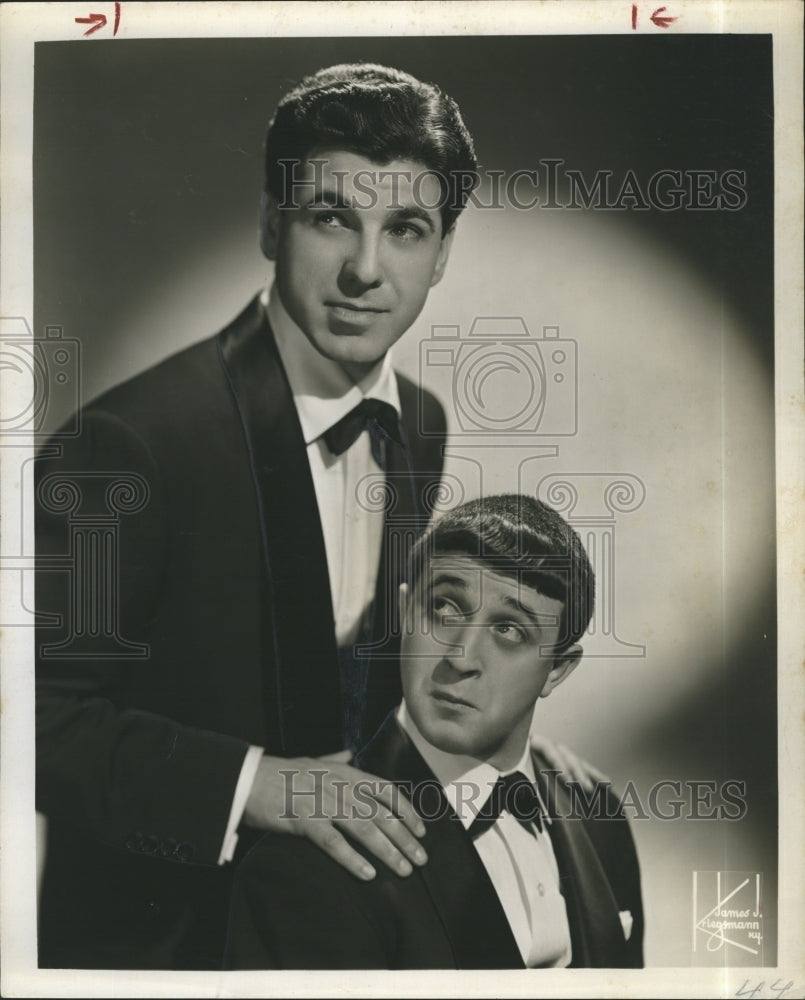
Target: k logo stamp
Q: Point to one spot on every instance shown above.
(727, 918)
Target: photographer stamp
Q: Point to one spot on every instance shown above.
(727, 918)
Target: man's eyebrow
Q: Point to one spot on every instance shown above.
(333, 198)
(414, 212)
(448, 578)
(538, 617)
(327, 197)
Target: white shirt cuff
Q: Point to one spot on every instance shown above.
(248, 771)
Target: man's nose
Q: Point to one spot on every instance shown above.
(464, 654)
(362, 267)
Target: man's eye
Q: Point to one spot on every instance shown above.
(404, 231)
(444, 610)
(331, 220)
(510, 632)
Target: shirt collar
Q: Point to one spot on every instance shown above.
(467, 781)
(322, 391)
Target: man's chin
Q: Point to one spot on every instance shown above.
(448, 737)
(361, 350)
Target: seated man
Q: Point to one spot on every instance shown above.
(499, 593)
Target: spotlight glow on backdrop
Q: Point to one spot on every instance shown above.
(669, 391)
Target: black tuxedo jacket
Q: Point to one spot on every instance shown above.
(294, 908)
(221, 578)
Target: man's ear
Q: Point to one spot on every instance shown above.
(444, 253)
(270, 222)
(563, 667)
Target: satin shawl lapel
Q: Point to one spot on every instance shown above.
(410, 492)
(454, 876)
(592, 911)
(299, 634)
(401, 527)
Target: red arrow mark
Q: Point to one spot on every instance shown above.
(96, 20)
(661, 22)
(117, 17)
(634, 16)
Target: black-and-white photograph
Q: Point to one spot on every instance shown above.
(395, 576)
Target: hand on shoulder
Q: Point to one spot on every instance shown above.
(569, 764)
(318, 798)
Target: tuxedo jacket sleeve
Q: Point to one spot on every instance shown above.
(136, 765)
(128, 747)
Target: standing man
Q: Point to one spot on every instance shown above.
(251, 572)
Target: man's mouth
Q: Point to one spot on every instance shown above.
(353, 315)
(353, 307)
(451, 699)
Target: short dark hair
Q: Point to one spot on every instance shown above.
(377, 112)
(522, 537)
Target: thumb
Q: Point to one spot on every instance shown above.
(342, 757)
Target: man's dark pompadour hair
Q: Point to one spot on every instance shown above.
(377, 112)
(521, 537)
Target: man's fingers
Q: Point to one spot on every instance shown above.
(570, 766)
(327, 798)
(552, 753)
(392, 797)
(367, 833)
(573, 767)
(384, 821)
(543, 745)
(391, 826)
(341, 757)
(598, 775)
(584, 773)
(328, 839)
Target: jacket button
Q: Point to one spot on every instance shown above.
(167, 847)
(184, 852)
(149, 844)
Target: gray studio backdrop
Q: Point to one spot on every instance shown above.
(645, 410)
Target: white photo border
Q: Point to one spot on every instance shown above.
(25, 23)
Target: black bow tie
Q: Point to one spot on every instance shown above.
(518, 796)
(378, 417)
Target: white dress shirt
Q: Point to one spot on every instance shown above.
(522, 867)
(352, 526)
